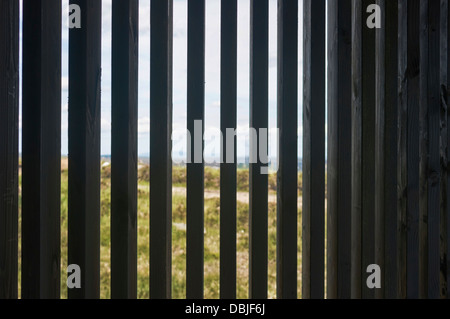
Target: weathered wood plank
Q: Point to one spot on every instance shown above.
(124, 158)
(434, 159)
(443, 146)
(402, 178)
(287, 160)
(313, 208)
(161, 148)
(195, 168)
(447, 161)
(228, 120)
(9, 145)
(339, 149)
(386, 209)
(380, 134)
(412, 74)
(363, 150)
(259, 120)
(423, 151)
(41, 149)
(84, 148)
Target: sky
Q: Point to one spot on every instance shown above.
(212, 75)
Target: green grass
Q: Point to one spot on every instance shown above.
(211, 237)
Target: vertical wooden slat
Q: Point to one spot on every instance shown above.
(447, 162)
(402, 135)
(287, 160)
(380, 110)
(363, 150)
(443, 146)
(84, 148)
(9, 145)
(339, 149)
(313, 215)
(386, 149)
(228, 120)
(357, 151)
(412, 148)
(124, 159)
(434, 131)
(423, 151)
(195, 167)
(41, 149)
(161, 148)
(259, 120)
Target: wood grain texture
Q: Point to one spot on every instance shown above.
(402, 172)
(339, 149)
(195, 168)
(161, 149)
(423, 151)
(41, 149)
(443, 147)
(363, 150)
(259, 120)
(447, 162)
(386, 174)
(434, 159)
(124, 158)
(228, 120)
(9, 145)
(313, 208)
(287, 160)
(84, 148)
(413, 71)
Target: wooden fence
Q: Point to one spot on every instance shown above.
(375, 148)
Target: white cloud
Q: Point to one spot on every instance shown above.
(144, 125)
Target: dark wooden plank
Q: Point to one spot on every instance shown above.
(434, 163)
(259, 120)
(9, 145)
(287, 160)
(443, 147)
(161, 149)
(124, 159)
(380, 110)
(357, 150)
(402, 172)
(228, 120)
(423, 152)
(84, 148)
(386, 210)
(41, 149)
(195, 167)
(412, 148)
(447, 162)
(313, 209)
(391, 93)
(363, 159)
(339, 149)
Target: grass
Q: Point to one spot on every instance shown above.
(211, 237)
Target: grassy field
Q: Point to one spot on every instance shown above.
(212, 217)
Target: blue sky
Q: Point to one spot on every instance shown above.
(212, 76)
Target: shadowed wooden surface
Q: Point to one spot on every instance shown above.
(9, 145)
(41, 150)
(84, 148)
